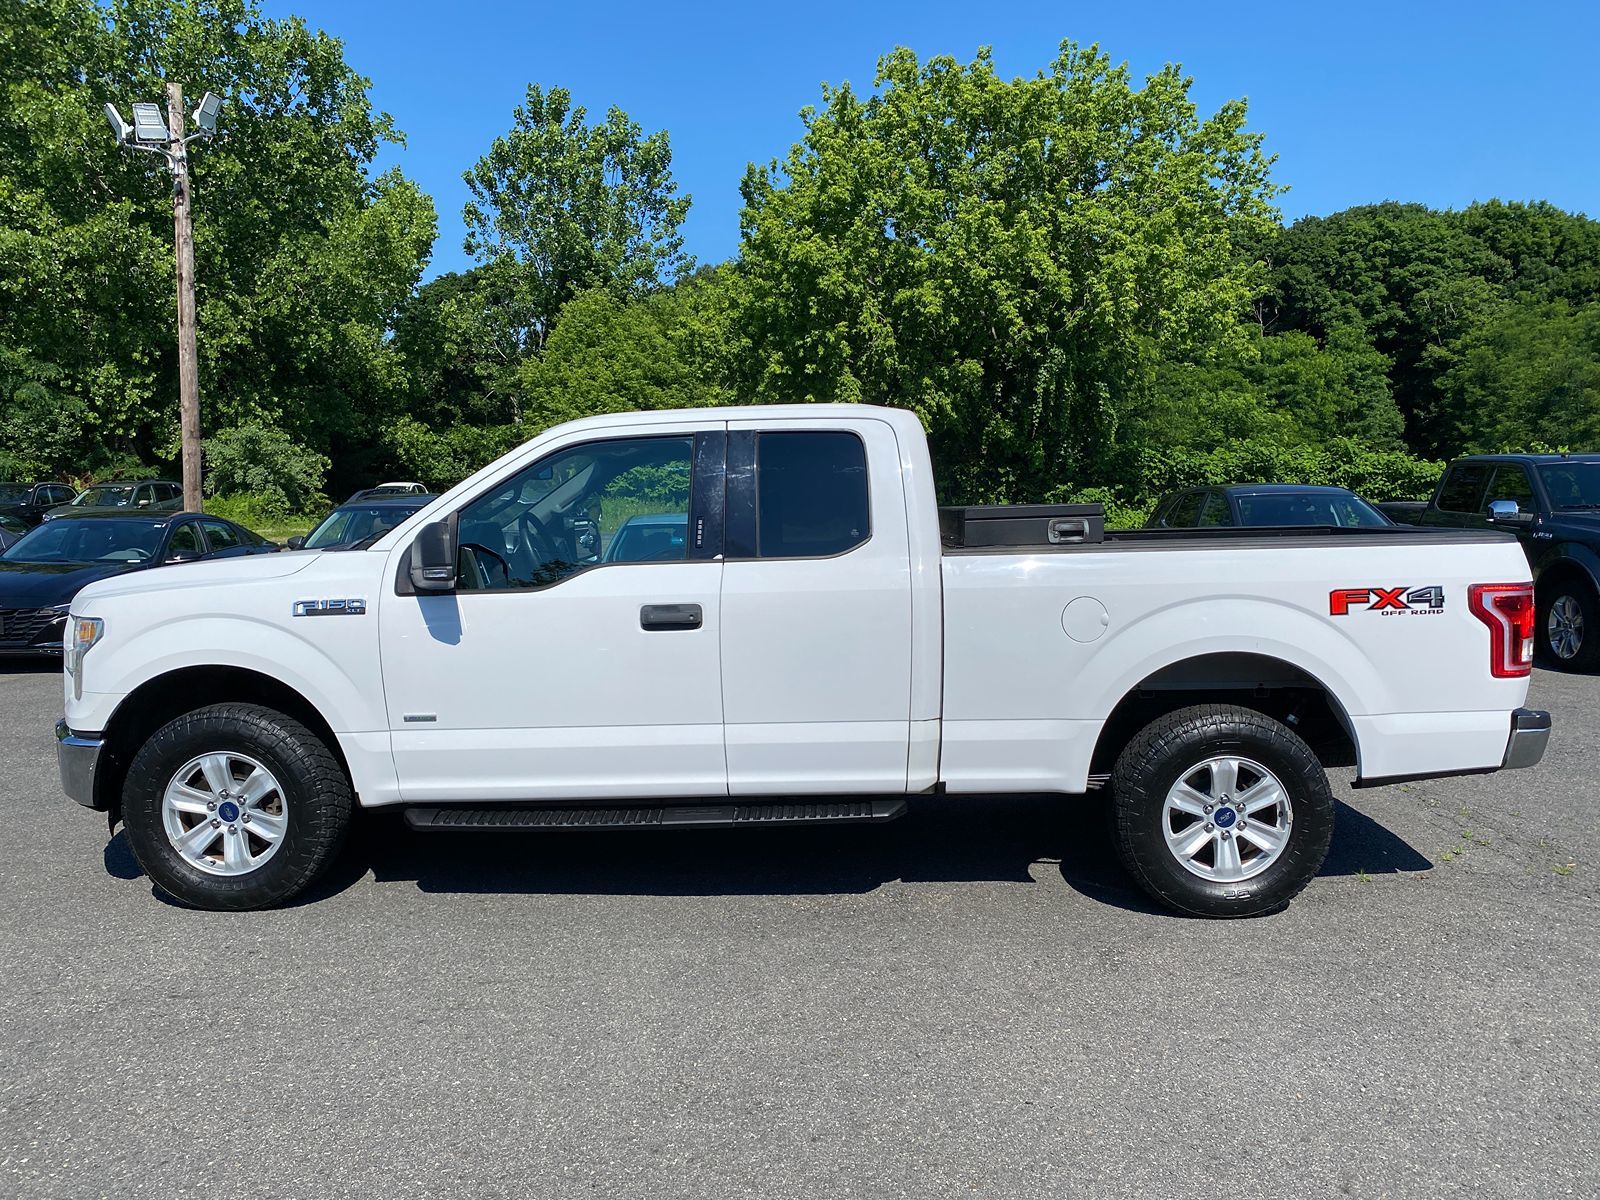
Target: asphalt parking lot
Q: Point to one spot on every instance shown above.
(970, 1002)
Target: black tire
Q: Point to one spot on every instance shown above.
(1576, 592)
(315, 791)
(1171, 747)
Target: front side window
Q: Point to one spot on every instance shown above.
(1215, 513)
(625, 500)
(1511, 483)
(221, 537)
(1184, 513)
(185, 541)
(811, 494)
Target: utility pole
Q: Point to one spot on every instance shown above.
(188, 355)
(149, 133)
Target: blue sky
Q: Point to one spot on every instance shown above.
(1439, 103)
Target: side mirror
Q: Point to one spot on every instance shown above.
(433, 557)
(1508, 512)
(297, 542)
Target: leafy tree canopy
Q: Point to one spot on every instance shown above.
(574, 205)
(1008, 258)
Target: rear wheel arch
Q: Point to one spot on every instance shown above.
(160, 699)
(1272, 686)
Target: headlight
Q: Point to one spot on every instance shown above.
(82, 634)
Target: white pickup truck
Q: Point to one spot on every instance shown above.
(760, 616)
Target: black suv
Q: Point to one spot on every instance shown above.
(27, 501)
(1552, 503)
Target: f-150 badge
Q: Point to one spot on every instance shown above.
(330, 608)
(1388, 601)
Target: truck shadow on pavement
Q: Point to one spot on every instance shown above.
(1014, 839)
(1006, 839)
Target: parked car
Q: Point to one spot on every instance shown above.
(44, 569)
(648, 538)
(824, 646)
(1261, 505)
(147, 495)
(28, 502)
(388, 489)
(360, 521)
(1552, 503)
(11, 528)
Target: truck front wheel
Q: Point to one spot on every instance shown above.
(1567, 626)
(235, 806)
(1221, 811)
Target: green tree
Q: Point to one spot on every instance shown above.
(605, 355)
(462, 348)
(302, 259)
(266, 464)
(1009, 259)
(1529, 377)
(574, 205)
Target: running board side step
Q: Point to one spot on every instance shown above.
(449, 817)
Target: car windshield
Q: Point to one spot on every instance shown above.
(1572, 484)
(84, 540)
(106, 496)
(644, 539)
(1309, 508)
(354, 523)
(11, 492)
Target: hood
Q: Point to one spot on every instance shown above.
(44, 585)
(227, 572)
(1579, 523)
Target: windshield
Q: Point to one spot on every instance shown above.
(10, 492)
(106, 496)
(83, 540)
(356, 523)
(1572, 484)
(1309, 508)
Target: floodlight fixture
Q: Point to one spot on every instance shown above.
(205, 115)
(119, 127)
(148, 125)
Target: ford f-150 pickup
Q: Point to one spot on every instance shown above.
(819, 643)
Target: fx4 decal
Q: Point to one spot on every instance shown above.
(1387, 601)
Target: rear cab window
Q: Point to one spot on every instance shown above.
(812, 497)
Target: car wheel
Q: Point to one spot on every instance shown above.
(1221, 811)
(1568, 633)
(235, 806)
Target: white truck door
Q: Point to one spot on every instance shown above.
(816, 609)
(579, 656)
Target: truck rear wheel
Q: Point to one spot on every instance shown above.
(1568, 632)
(1221, 811)
(235, 806)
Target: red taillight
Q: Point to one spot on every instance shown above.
(1507, 609)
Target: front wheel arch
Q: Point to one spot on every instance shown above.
(160, 699)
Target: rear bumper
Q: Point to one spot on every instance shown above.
(1530, 734)
(77, 758)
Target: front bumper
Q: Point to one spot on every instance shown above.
(77, 758)
(1530, 734)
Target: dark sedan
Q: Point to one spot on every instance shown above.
(45, 568)
(1263, 505)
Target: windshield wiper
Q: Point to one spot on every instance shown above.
(1572, 507)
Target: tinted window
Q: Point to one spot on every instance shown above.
(811, 494)
(221, 536)
(1340, 509)
(1215, 511)
(1185, 511)
(561, 515)
(185, 540)
(1511, 483)
(109, 496)
(1463, 487)
(60, 495)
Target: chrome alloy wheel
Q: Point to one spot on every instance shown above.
(224, 813)
(1564, 627)
(1227, 819)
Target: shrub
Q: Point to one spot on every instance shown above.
(1374, 474)
(278, 474)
